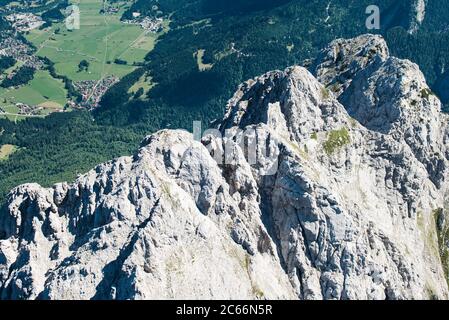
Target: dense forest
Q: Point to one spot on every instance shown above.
(6, 62)
(5, 2)
(60, 147)
(4, 27)
(240, 40)
(21, 77)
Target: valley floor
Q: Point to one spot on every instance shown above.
(101, 40)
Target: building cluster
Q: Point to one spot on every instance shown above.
(25, 109)
(14, 6)
(92, 92)
(110, 10)
(23, 22)
(28, 110)
(20, 51)
(154, 25)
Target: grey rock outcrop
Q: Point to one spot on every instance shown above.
(418, 15)
(311, 188)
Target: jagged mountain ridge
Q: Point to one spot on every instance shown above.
(354, 209)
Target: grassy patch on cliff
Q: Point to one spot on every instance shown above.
(336, 139)
(426, 93)
(443, 240)
(325, 93)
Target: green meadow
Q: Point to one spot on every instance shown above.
(43, 91)
(6, 150)
(100, 40)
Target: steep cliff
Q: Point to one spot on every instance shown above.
(330, 186)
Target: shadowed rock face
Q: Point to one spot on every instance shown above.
(352, 208)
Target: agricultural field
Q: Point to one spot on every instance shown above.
(43, 91)
(100, 40)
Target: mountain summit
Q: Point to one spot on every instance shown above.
(321, 184)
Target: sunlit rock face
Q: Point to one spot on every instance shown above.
(337, 192)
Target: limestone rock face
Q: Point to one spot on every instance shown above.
(330, 186)
(390, 96)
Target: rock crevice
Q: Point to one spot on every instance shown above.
(351, 164)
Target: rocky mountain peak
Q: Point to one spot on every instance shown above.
(389, 95)
(337, 64)
(326, 187)
(292, 102)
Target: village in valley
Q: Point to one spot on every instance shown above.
(150, 24)
(92, 92)
(23, 43)
(23, 22)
